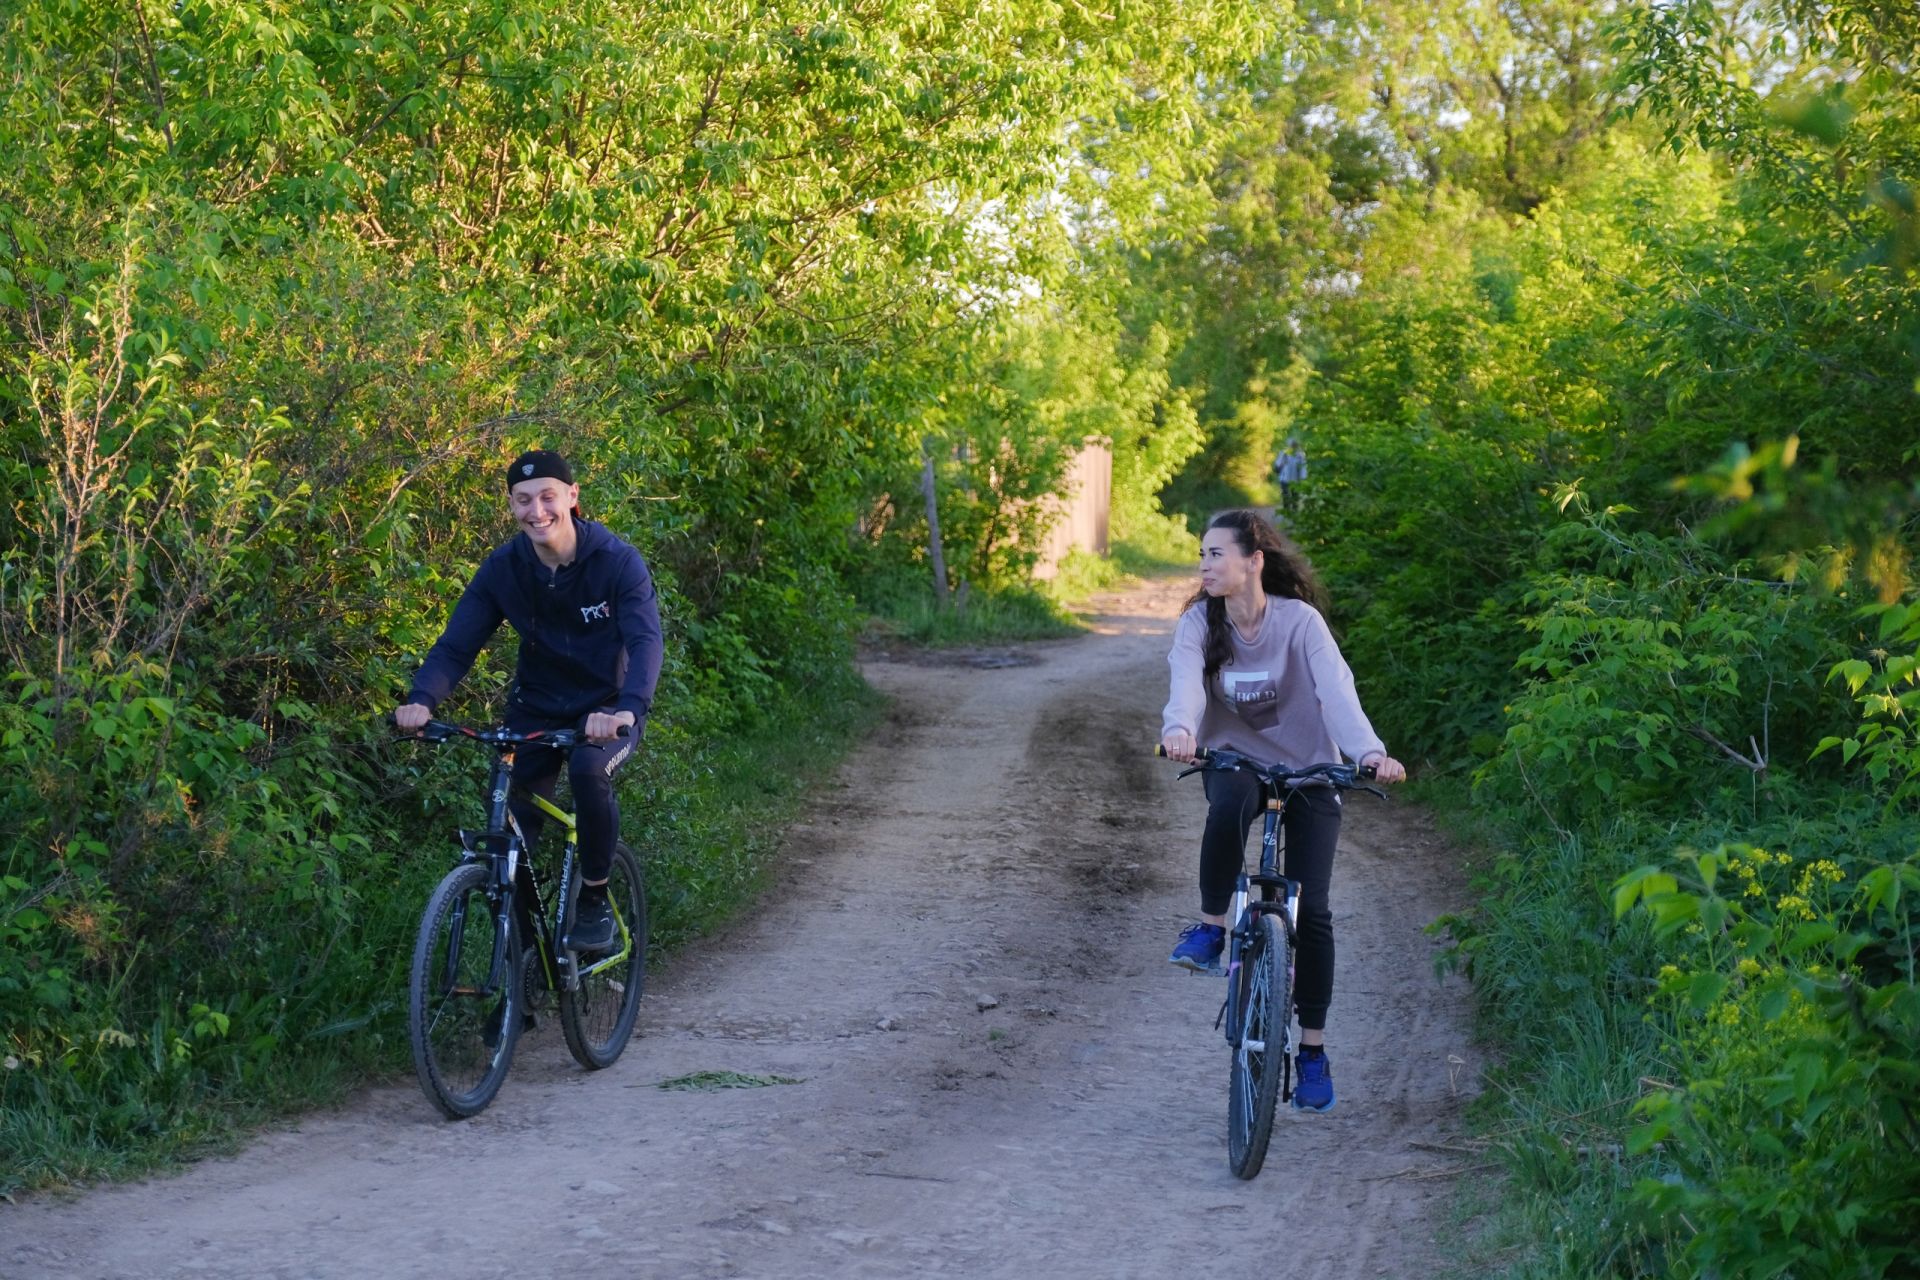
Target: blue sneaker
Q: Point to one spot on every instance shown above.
(1199, 948)
(1314, 1089)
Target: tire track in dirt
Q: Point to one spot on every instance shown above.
(962, 963)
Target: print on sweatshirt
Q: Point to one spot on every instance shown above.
(1255, 696)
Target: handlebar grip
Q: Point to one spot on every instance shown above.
(392, 719)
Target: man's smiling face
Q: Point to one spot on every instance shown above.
(543, 507)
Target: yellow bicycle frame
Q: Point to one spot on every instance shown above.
(554, 811)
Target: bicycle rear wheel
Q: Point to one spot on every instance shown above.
(462, 1027)
(1261, 992)
(598, 1015)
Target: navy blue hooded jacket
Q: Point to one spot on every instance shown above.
(589, 630)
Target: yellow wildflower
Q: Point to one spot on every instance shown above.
(1794, 904)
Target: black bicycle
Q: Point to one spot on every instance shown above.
(489, 951)
(1258, 1012)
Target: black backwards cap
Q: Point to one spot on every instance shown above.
(540, 464)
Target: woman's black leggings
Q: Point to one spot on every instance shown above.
(1312, 829)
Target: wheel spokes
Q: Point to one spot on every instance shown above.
(1253, 1038)
(597, 1009)
(458, 1021)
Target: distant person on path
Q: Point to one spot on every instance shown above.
(1289, 469)
(589, 623)
(1255, 670)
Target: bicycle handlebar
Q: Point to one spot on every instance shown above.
(1345, 777)
(559, 739)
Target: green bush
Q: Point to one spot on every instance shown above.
(1791, 1146)
(1886, 687)
(1661, 669)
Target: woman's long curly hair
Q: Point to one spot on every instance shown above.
(1284, 571)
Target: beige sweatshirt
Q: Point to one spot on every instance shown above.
(1286, 697)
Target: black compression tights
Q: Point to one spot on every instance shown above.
(596, 810)
(1312, 829)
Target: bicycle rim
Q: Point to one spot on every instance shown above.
(1253, 1085)
(462, 1029)
(597, 1017)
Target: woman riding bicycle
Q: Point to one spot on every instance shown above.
(589, 623)
(1255, 668)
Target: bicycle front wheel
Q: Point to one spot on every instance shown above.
(598, 1015)
(463, 1007)
(1261, 993)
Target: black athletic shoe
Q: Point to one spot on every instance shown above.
(592, 920)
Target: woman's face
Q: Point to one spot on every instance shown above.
(1226, 570)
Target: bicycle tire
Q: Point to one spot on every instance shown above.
(597, 1017)
(450, 1013)
(1253, 1083)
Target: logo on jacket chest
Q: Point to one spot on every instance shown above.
(595, 612)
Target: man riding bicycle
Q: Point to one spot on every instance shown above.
(584, 604)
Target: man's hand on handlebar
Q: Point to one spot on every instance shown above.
(1385, 767)
(1179, 745)
(602, 727)
(411, 717)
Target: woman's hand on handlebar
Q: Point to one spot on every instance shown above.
(1385, 767)
(411, 717)
(1179, 745)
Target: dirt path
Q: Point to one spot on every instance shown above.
(963, 967)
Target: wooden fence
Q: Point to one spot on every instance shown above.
(1084, 509)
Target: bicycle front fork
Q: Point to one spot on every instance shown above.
(1244, 912)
